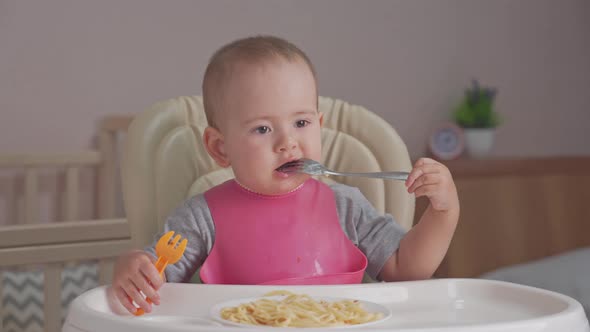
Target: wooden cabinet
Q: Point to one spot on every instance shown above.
(516, 210)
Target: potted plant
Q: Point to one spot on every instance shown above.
(476, 115)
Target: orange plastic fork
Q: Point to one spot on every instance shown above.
(168, 253)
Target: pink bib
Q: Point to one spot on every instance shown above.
(291, 239)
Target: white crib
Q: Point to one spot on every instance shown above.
(44, 254)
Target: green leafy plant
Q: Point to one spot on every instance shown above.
(476, 110)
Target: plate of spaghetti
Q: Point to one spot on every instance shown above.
(286, 309)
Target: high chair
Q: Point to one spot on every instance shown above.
(165, 161)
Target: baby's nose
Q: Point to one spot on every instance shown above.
(286, 144)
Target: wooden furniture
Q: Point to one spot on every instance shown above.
(516, 210)
(26, 242)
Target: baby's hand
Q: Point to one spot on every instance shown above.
(135, 272)
(432, 179)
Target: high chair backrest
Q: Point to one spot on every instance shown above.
(165, 161)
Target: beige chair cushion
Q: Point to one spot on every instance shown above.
(165, 161)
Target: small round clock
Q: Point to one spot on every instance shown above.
(447, 141)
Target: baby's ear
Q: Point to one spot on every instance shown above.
(214, 143)
(321, 114)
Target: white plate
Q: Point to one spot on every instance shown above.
(371, 307)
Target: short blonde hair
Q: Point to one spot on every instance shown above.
(252, 50)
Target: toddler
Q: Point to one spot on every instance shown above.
(271, 227)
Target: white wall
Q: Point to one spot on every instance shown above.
(66, 63)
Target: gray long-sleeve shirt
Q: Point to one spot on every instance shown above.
(376, 235)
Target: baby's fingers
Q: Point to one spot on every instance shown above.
(125, 299)
(419, 171)
(152, 275)
(425, 179)
(133, 292)
(147, 287)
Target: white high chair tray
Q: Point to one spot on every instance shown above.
(431, 305)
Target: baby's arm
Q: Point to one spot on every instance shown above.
(423, 248)
(135, 270)
(192, 221)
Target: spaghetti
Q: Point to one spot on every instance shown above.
(299, 310)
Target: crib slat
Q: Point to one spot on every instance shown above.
(88, 157)
(1, 299)
(107, 175)
(116, 123)
(31, 205)
(12, 205)
(14, 236)
(105, 271)
(72, 187)
(63, 252)
(52, 299)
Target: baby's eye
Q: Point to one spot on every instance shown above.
(262, 130)
(301, 123)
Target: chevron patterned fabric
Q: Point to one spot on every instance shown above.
(21, 303)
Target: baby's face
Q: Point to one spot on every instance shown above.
(270, 117)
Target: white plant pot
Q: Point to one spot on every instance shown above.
(479, 141)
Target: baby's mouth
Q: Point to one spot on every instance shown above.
(286, 167)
